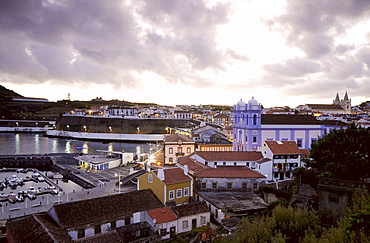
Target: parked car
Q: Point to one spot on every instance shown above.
(31, 190)
(55, 192)
(12, 200)
(4, 195)
(19, 198)
(31, 196)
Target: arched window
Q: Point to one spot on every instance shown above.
(254, 119)
(188, 150)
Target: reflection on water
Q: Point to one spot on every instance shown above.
(28, 143)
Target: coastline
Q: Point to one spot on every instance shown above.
(105, 136)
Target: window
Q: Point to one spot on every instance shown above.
(127, 221)
(202, 220)
(179, 149)
(170, 150)
(163, 232)
(206, 162)
(172, 195)
(247, 164)
(254, 119)
(214, 185)
(229, 185)
(299, 142)
(185, 224)
(81, 233)
(150, 178)
(179, 193)
(170, 160)
(97, 229)
(188, 150)
(224, 163)
(255, 186)
(245, 185)
(204, 185)
(186, 191)
(113, 225)
(254, 139)
(215, 163)
(234, 163)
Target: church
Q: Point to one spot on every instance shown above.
(339, 106)
(251, 128)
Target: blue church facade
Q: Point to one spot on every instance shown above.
(251, 128)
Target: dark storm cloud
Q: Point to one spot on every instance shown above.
(105, 41)
(314, 27)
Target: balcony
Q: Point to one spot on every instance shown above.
(180, 154)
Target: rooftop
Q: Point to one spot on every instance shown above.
(228, 155)
(283, 147)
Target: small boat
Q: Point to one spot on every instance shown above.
(80, 148)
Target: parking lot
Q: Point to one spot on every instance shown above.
(105, 182)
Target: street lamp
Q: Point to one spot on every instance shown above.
(110, 129)
(85, 128)
(67, 127)
(138, 129)
(119, 181)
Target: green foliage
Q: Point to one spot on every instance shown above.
(288, 224)
(342, 154)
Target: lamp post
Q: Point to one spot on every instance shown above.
(138, 130)
(119, 181)
(67, 127)
(110, 129)
(85, 128)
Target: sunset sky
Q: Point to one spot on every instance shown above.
(187, 52)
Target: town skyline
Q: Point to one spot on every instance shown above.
(186, 52)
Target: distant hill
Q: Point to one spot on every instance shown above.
(7, 92)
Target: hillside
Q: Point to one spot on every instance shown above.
(7, 92)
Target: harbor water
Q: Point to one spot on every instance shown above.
(31, 143)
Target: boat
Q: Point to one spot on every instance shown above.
(80, 148)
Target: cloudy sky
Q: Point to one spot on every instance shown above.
(187, 52)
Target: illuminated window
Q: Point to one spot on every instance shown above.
(202, 220)
(188, 150)
(170, 150)
(170, 160)
(150, 178)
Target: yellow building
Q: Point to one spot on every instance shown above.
(169, 185)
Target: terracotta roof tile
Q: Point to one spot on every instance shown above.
(162, 215)
(305, 153)
(194, 166)
(105, 208)
(176, 138)
(283, 147)
(289, 119)
(229, 155)
(174, 175)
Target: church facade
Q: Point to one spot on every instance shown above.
(251, 128)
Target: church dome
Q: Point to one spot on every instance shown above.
(252, 102)
(240, 103)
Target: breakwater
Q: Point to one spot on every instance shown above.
(120, 125)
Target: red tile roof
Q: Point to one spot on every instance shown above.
(283, 147)
(174, 175)
(177, 138)
(229, 155)
(194, 166)
(230, 172)
(305, 153)
(162, 215)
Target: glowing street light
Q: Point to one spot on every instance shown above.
(85, 128)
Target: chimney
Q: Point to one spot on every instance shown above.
(160, 174)
(186, 170)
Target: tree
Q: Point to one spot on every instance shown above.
(342, 154)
